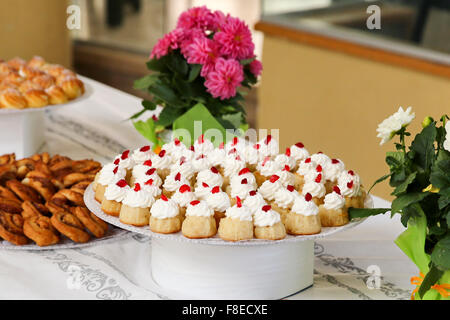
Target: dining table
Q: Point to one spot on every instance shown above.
(361, 263)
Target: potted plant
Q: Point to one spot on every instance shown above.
(420, 176)
(198, 72)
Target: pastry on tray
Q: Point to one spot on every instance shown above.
(202, 190)
(41, 200)
(36, 84)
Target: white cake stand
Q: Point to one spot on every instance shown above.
(216, 269)
(22, 131)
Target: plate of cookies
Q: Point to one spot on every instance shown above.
(34, 85)
(42, 206)
(241, 193)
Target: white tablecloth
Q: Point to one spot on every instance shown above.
(121, 270)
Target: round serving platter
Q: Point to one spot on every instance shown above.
(95, 207)
(88, 91)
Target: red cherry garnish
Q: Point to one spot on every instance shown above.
(164, 198)
(319, 168)
(266, 208)
(178, 177)
(351, 172)
(177, 142)
(308, 160)
(252, 193)
(288, 152)
(122, 183)
(202, 156)
(334, 161)
(195, 202)
(148, 163)
(216, 189)
(244, 181)
(162, 153)
(265, 160)
(150, 171)
(117, 161)
(299, 145)
(205, 185)
(184, 188)
(115, 170)
(125, 154)
(257, 146)
(290, 188)
(222, 145)
(244, 171)
(337, 190)
(318, 178)
(144, 149)
(192, 148)
(350, 184)
(137, 187)
(268, 139)
(274, 178)
(214, 170)
(182, 160)
(232, 151)
(149, 182)
(235, 141)
(238, 202)
(286, 168)
(201, 139)
(155, 118)
(238, 158)
(320, 152)
(308, 197)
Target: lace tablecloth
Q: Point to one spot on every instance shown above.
(361, 263)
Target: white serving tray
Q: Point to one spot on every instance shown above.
(216, 269)
(22, 131)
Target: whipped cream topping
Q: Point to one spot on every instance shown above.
(232, 166)
(217, 157)
(175, 149)
(202, 191)
(286, 177)
(111, 174)
(265, 217)
(142, 154)
(268, 189)
(316, 189)
(211, 176)
(284, 160)
(333, 170)
(114, 192)
(241, 213)
(320, 158)
(268, 167)
(269, 146)
(138, 198)
(162, 160)
(200, 163)
(251, 154)
(303, 207)
(173, 181)
(164, 209)
(153, 189)
(298, 152)
(184, 167)
(334, 201)
(203, 146)
(285, 198)
(218, 200)
(306, 166)
(183, 196)
(241, 186)
(124, 160)
(199, 208)
(254, 201)
(349, 183)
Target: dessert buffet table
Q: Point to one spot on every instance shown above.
(360, 263)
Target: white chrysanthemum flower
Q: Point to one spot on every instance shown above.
(447, 137)
(390, 126)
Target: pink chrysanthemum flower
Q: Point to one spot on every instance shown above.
(224, 80)
(256, 67)
(196, 18)
(203, 51)
(170, 41)
(219, 18)
(235, 39)
(188, 38)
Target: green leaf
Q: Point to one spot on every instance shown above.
(379, 180)
(137, 115)
(247, 61)
(444, 199)
(440, 172)
(168, 115)
(423, 145)
(234, 118)
(404, 185)
(165, 93)
(195, 71)
(430, 279)
(149, 105)
(441, 253)
(407, 199)
(355, 213)
(145, 82)
(157, 64)
(198, 113)
(177, 64)
(147, 129)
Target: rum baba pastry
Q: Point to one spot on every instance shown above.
(231, 167)
(270, 187)
(303, 219)
(142, 155)
(219, 202)
(12, 99)
(185, 168)
(211, 176)
(165, 216)
(298, 154)
(284, 200)
(254, 201)
(182, 197)
(266, 169)
(144, 172)
(333, 212)
(136, 207)
(316, 189)
(109, 174)
(268, 224)
(199, 222)
(172, 182)
(114, 195)
(350, 185)
(237, 225)
(162, 162)
(125, 162)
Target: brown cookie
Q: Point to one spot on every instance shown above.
(32, 209)
(41, 182)
(95, 225)
(40, 230)
(24, 192)
(70, 226)
(11, 228)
